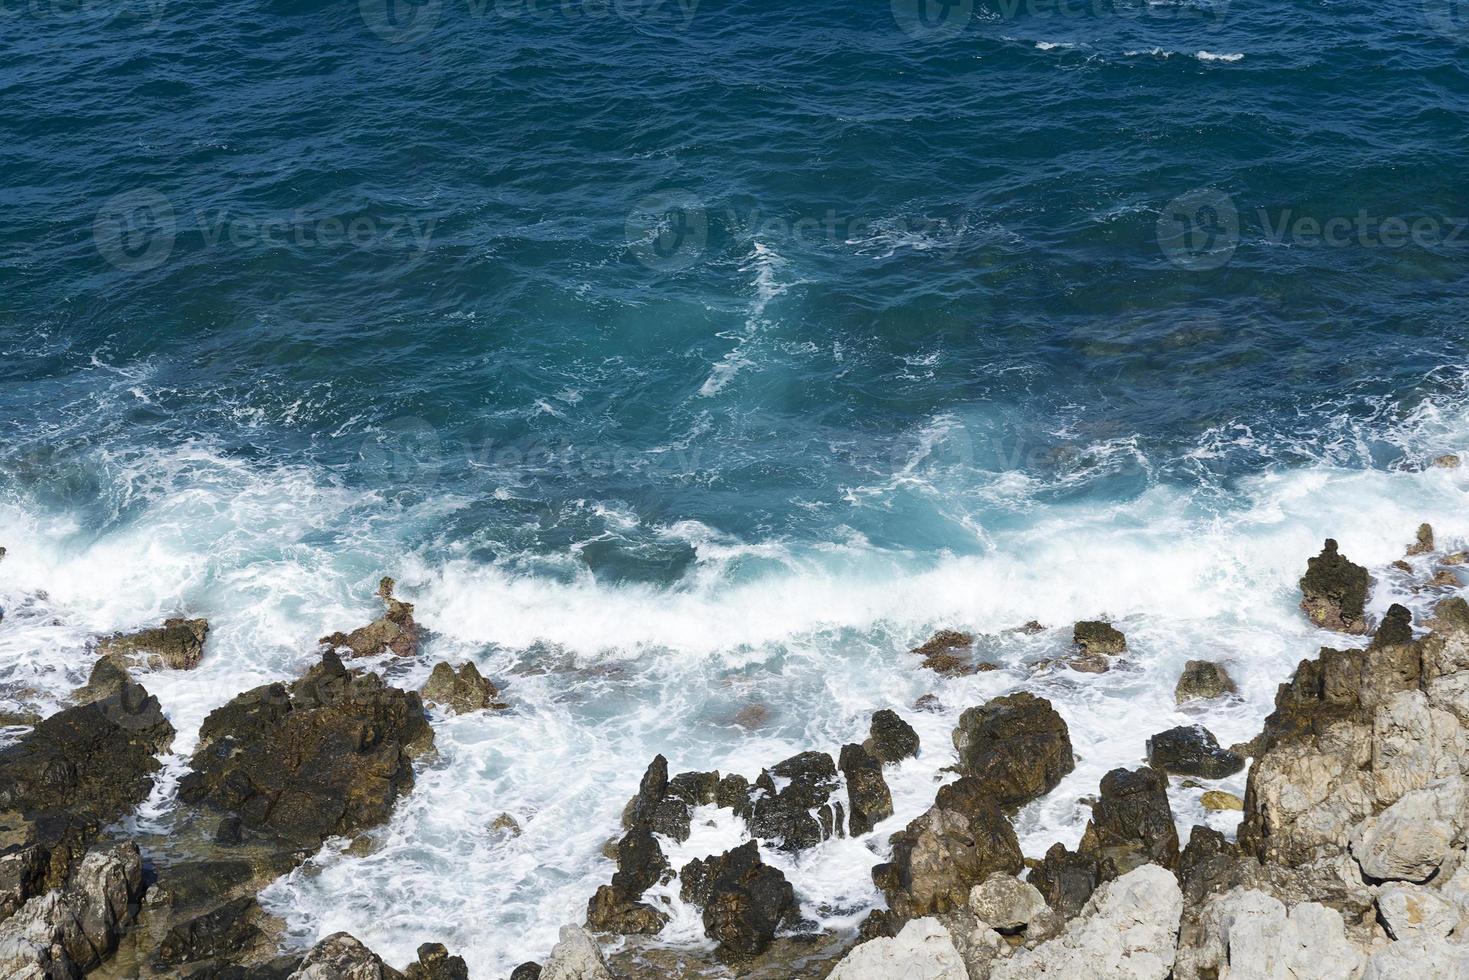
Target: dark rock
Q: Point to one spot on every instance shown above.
(1334, 591)
(435, 963)
(1096, 637)
(1017, 745)
(1067, 878)
(869, 799)
(223, 931)
(939, 653)
(176, 645)
(651, 791)
(229, 832)
(878, 924)
(944, 640)
(785, 817)
(613, 910)
(734, 792)
(744, 900)
(395, 631)
(460, 692)
(526, 971)
(1203, 680)
(928, 702)
(640, 861)
(890, 738)
(1395, 629)
(328, 756)
(1132, 823)
(1210, 863)
(106, 680)
(695, 788)
(1192, 750)
(1424, 543)
(943, 853)
(69, 931)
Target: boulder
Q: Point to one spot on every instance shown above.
(744, 900)
(1395, 629)
(613, 910)
(176, 645)
(1247, 933)
(890, 738)
(395, 631)
(1423, 545)
(1066, 879)
(1334, 591)
(795, 814)
(1098, 638)
(1132, 823)
(462, 691)
(341, 957)
(944, 640)
(435, 963)
(1203, 680)
(695, 788)
(1410, 911)
(1008, 905)
(105, 680)
(869, 800)
(1016, 745)
(1409, 840)
(529, 970)
(943, 853)
(326, 756)
(1419, 959)
(640, 865)
(940, 653)
(69, 931)
(1192, 750)
(1127, 931)
(1210, 863)
(923, 950)
(1217, 800)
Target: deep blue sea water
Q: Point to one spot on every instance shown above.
(678, 356)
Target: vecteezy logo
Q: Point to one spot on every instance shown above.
(400, 22)
(1199, 230)
(929, 20)
(404, 452)
(1448, 17)
(135, 230)
(668, 230)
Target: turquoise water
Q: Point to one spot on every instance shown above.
(680, 356)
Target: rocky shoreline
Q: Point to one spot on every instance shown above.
(1351, 858)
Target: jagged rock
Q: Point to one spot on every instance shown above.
(657, 806)
(435, 963)
(1396, 628)
(640, 865)
(1132, 822)
(1017, 745)
(1127, 931)
(945, 640)
(1203, 680)
(329, 755)
(784, 815)
(946, 851)
(219, 932)
(744, 900)
(1006, 904)
(868, 798)
(106, 680)
(613, 910)
(695, 788)
(176, 645)
(526, 971)
(979, 945)
(1448, 461)
(460, 692)
(395, 631)
(891, 739)
(734, 792)
(1210, 863)
(1424, 543)
(1409, 840)
(1411, 911)
(1066, 879)
(341, 957)
(1217, 799)
(879, 922)
(940, 657)
(1192, 750)
(1098, 638)
(1247, 933)
(1334, 591)
(68, 931)
(923, 950)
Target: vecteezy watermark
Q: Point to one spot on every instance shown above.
(936, 20)
(674, 229)
(407, 22)
(932, 20)
(139, 230)
(147, 14)
(403, 452)
(1201, 230)
(1448, 17)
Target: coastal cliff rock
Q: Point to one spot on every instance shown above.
(1066, 879)
(575, 957)
(1334, 591)
(68, 931)
(1016, 745)
(922, 949)
(176, 645)
(1132, 823)
(341, 957)
(395, 631)
(328, 755)
(869, 800)
(1252, 934)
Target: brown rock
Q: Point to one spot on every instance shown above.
(176, 645)
(1016, 745)
(1097, 637)
(462, 691)
(1132, 822)
(1334, 591)
(1203, 680)
(1424, 544)
(395, 631)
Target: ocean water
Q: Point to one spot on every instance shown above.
(687, 363)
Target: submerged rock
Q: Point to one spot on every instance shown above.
(1203, 680)
(327, 756)
(462, 691)
(890, 738)
(744, 900)
(869, 800)
(176, 645)
(797, 815)
(395, 631)
(944, 640)
(1098, 638)
(1334, 591)
(941, 655)
(1132, 823)
(922, 949)
(1016, 745)
(1192, 750)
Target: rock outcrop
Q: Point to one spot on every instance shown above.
(1067, 879)
(1016, 745)
(1252, 934)
(575, 957)
(1098, 638)
(1203, 680)
(890, 738)
(1192, 750)
(176, 645)
(744, 900)
(868, 798)
(1132, 823)
(1334, 591)
(68, 931)
(328, 755)
(922, 950)
(395, 631)
(341, 957)
(460, 691)
(795, 813)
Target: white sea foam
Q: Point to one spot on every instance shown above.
(1211, 56)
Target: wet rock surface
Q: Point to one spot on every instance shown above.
(792, 809)
(1132, 823)
(396, 631)
(868, 798)
(176, 645)
(744, 900)
(890, 738)
(1334, 591)
(1066, 879)
(1203, 680)
(1192, 750)
(1017, 745)
(1098, 638)
(460, 691)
